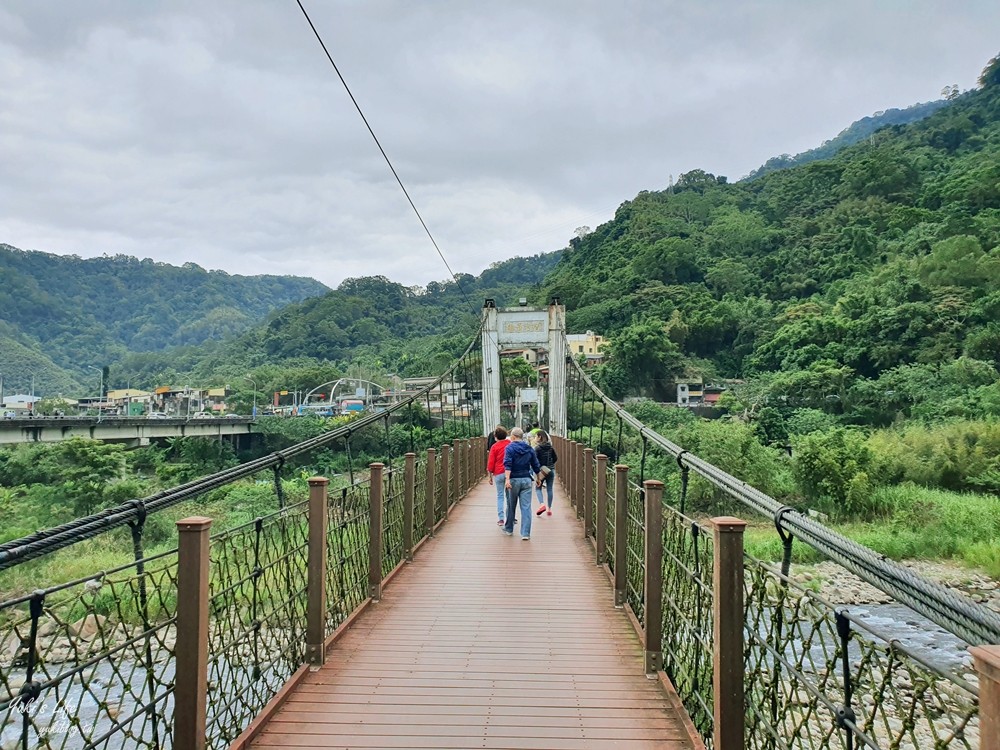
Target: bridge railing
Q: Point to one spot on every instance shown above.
(819, 676)
(811, 674)
(97, 661)
(806, 674)
(148, 656)
(91, 661)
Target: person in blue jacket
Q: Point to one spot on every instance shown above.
(519, 463)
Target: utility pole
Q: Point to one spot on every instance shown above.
(100, 392)
(254, 382)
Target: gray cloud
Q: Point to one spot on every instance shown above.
(218, 134)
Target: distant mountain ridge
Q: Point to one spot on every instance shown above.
(62, 314)
(854, 133)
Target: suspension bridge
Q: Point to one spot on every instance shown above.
(383, 609)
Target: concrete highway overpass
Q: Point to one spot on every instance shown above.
(132, 431)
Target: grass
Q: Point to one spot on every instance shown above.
(921, 524)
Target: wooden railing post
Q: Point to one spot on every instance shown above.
(558, 445)
(588, 492)
(191, 677)
(409, 478)
(621, 550)
(601, 522)
(653, 580)
(466, 465)
(445, 488)
(578, 464)
(987, 664)
(727, 588)
(316, 587)
(375, 532)
(571, 449)
(430, 491)
(456, 470)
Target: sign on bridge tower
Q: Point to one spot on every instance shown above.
(524, 327)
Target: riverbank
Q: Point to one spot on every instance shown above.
(840, 586)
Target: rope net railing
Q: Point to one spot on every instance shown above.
(817, 675)
(609, 541)
(392, 521)
(954, 612)
(687, 639)
(257, 610)
(635, 561)
(91, 662)
(64, 647)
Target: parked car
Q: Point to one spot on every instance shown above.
(156, 415)
(203, 415)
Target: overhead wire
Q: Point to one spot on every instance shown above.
(385, 156)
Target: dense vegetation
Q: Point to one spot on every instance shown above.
(857, 131)
(866, 286)
(851, 305)
(62, 313)
(368, 325)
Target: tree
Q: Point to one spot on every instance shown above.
(644, 351)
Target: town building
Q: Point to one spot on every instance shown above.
(588, 344)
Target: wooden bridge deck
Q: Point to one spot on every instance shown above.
(486, 641)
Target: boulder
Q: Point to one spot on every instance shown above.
(87, 627)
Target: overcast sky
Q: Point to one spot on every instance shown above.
(217, 132)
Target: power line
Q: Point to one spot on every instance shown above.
(382, 150)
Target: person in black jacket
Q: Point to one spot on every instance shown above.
(547, 460)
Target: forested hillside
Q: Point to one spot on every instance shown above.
(856, 131)
(62, 313)
(865, 285)
(372, 320)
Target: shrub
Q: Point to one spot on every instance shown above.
(838, 470)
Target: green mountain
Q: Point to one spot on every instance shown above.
(63, 313)
(865, 278)
(409, 330)
(857, 131)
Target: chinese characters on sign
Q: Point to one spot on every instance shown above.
(523, 328)
(531, 326)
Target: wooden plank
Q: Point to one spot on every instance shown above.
(485, 641)
(663, 722)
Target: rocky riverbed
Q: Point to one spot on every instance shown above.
(843, 587)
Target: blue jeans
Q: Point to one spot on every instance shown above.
(520, 493)
(547, 483)
(498, 481)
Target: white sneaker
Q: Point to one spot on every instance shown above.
(525, 538)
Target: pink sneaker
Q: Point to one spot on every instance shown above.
(549, 513)
(541, 509)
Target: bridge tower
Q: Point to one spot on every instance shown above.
(524, 327)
